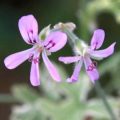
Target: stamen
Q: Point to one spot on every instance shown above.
(32, 59)
(36, 60)
(95, 63)
(92, 66)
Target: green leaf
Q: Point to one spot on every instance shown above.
(24, 93)
(26, 112)
(96, 108)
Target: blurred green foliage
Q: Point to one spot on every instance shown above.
(60, 102)
(91, 9)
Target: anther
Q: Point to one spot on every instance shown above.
(95, 63)
(30, 59)
(36, 60)
(92, 66)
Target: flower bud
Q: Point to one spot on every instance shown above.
(44, 32)
(69, 25)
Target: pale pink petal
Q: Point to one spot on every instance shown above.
(76, 72)
(28, 27)
(68, 60)
(103, 53)
(34, 74)
(52, 70)
(14, 60)
(55, 41)
(93, 74)
(97, 39)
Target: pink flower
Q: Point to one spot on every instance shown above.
(28, 27)
(86, 53)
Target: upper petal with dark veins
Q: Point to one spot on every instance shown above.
(28, 27)
(55, 41)
(103, 53)
(97, 39)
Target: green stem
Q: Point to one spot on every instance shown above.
(6, 98)
(74, 40)
(103, 97)
(76, 43)
(71, 35)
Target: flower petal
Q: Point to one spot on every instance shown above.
(55, 41)
(97, 39)
(14, 60)
(76, 72)
(68, 60)
(34, 74)
(103, 53)
(28, 27)
(52, 70)
(93, 74)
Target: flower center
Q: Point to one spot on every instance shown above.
(34, 57)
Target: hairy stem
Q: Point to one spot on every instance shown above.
(101, 93)
(74, 40)
(71, 35)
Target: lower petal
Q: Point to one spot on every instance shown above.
(68, 60)
(103, 53)
(93, 74)
(76, 72)
(52, 70)
(16, 59)
(34, 74)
